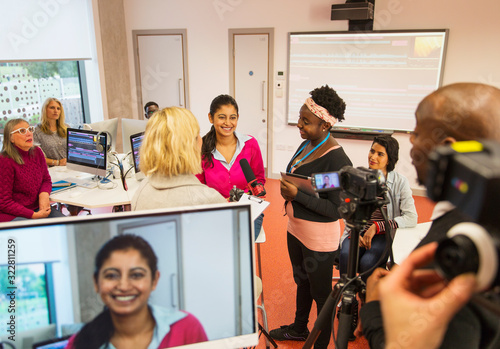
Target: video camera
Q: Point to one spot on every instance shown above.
(467, 174)
(361, 182)
(363, 191)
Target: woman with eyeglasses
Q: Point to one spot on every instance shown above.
(51, 133)
(26, 183)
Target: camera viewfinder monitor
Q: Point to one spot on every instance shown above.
(209, 275)
(86, 151)
(135, 142)
(131, 127)
(326, 181)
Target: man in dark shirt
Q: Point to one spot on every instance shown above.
(150, 108)
(457, 112)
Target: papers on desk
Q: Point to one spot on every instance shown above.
(257, 205)
(61, 186)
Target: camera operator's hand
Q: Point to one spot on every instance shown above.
(288, 190)
(366, 240)
(372, 289)
(417, 305)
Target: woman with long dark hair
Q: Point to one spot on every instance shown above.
(125, 274)
(401, 211)
(223, 148)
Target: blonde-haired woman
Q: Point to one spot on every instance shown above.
(51, 133)
(170, 156)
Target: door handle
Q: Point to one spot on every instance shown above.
(181, 94)
(264, 95)
(173, 280)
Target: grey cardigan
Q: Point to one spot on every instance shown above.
(158, 191)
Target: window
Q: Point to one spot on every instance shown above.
(32, 296)
(24, 86)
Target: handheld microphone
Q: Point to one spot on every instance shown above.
(255, 187)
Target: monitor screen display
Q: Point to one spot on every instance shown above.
(206, 268)
(381, 75)
(135, 142)
(86, 151)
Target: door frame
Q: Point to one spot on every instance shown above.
(270, 80)
(156, 32)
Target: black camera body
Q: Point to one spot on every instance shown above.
(361, 188)
(467, 174)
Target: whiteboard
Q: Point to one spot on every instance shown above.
(381, 75)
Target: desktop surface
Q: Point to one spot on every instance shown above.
(103, 195)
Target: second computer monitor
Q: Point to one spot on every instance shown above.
(86, 151)
(110, 126)
(135, 142)
(131, 127)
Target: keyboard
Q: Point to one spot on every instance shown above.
(82, 182)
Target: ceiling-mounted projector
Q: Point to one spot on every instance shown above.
(352, 11)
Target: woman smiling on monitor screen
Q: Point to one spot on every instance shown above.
(125, 274)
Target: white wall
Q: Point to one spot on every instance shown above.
(473, 53)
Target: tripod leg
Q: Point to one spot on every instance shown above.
(344, 330)
(263, 331)
(348, 312)
(325, 315)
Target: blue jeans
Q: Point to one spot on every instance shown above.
(53, 214)
(366, 258)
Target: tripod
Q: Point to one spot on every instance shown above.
(356, 213)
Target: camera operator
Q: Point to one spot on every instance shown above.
(457, 112)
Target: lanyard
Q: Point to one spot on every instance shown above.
(313, 149)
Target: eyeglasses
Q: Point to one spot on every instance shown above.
(23, 130)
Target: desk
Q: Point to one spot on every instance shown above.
(407, 239)
(91, 198)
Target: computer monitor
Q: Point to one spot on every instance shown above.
(26, 339)
(110, 126)
(206, 267)
(86, 151)
(135, 142)
(55, 343)
(131, 127)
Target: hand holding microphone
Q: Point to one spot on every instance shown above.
(256, 188)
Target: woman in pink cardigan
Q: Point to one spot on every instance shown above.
(25, 181)
(223, 148)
